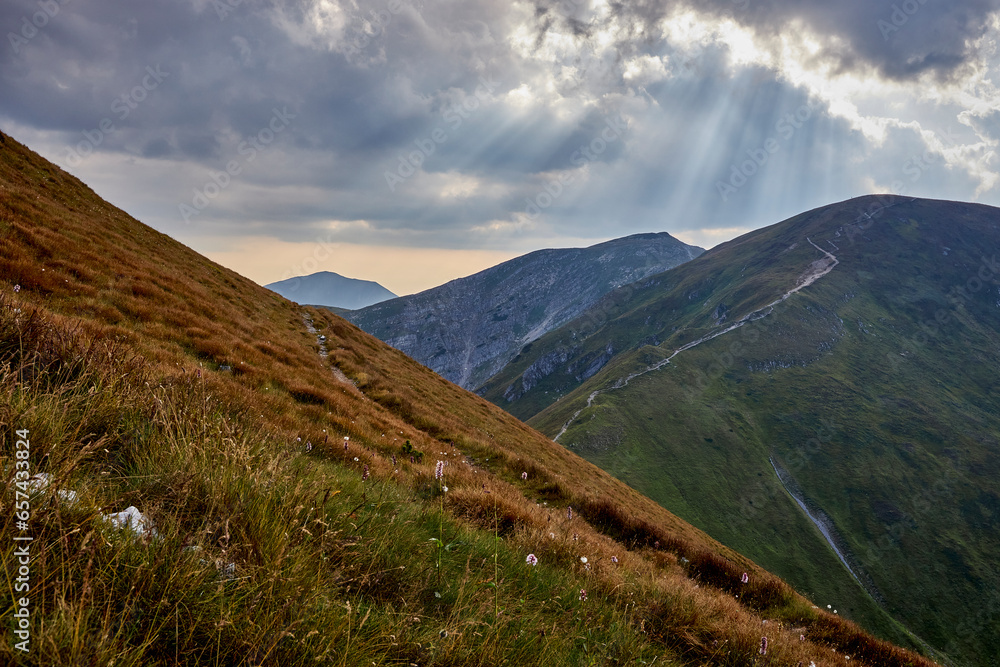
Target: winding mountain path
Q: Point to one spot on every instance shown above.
(324, 353)
(814, 272)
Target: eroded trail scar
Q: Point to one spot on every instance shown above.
(311, 328)
(814, 272)
(324, 353)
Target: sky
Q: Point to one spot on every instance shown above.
(413, 142)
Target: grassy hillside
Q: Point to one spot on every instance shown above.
(144, 375)
(872, 390)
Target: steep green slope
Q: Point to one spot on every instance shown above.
(873, 390)
(136, 373)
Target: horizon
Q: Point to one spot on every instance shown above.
(599, 242)
(804, 417)
(463, 275)
(412, 145)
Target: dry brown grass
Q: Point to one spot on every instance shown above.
(95, 273)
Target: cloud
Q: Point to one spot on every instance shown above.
(902, 40)
(485, 124)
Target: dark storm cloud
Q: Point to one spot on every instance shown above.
(367, 85)
(219, 76)
(900, 38)
(225, 75)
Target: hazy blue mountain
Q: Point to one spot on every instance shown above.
(469, 328)
(326, 288)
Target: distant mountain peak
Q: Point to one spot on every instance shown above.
(326, 288)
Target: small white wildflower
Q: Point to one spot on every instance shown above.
(583, 559)
(532, 560)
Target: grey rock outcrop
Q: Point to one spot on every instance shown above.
(470, 328)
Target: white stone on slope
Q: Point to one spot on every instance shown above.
(134, 520)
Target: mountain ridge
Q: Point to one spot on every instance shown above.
(469, 328)
(151, 377)
(883, 360)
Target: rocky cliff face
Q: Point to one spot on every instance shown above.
(470, 328)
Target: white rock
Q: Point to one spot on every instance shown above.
(134, 520)
(40, 483)
(227, 571)
(68, 496)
